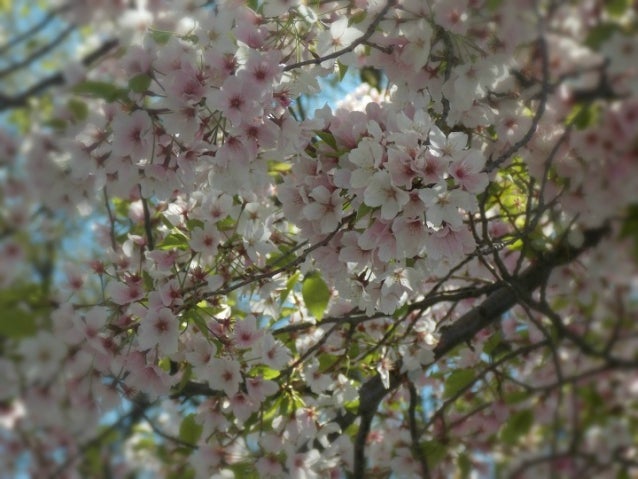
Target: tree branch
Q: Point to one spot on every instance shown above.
(14, 67)
(544, 93)
(362, 39)
(48, 18)
(22, 99)
(464, 329)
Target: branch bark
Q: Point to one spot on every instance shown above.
(362, 39)
(505, 296)
(22, 99)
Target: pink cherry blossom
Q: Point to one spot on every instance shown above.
(450, 243)
(133, 136)
(447, 145)
(339, 36)
(326, 208)
(236, 100)
(159, 328)
(381, 192)
(259, 389)
(443, 205)
(271, 352)
(147, 378)
(269, 279)
(205, 241)
(123, 293)
(224, 375)
(246, 332)
(467, 171)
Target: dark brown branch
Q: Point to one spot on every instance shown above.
(357, 317)
(148, 226)
(56, 42)
(286, 267)
(585, 347)
(417, 452)
(157, 430)
(544, 93)
(22, 99)
(505, 296)
(48, 18)
(127, 420)
(362, 39)
(111, 221)
(439, 413)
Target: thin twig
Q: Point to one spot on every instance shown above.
(22, 99)
(362, 39)
(14, 67)
(34, 29)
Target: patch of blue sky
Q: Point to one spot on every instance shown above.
(331, 92)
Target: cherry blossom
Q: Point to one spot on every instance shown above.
(202, 274)
(224, 374)
(337, 37)
(381, 192)
(159, 328)
(326, 207)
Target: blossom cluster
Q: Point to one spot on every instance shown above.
(255, 271)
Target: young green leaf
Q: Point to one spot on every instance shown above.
(316, 294)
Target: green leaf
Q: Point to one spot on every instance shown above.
(492, 5)
(457, 381)
(326, 361)
(517, 425)
(278, 167)
(495, 346)
(265, 372)
(343, 69)
(372, 76)
(358, 17)
(139, 83)
(491, 343)
(623, 474)
(181, 474)
(582, 116)
(107, 91)
(175, 239)
(599, 34)
(629, 228)
(245, 470)
(78, 109)
(187, 375)
(21, 119)
(315, 294)
(290, 284)
(434, 451)
(516, 397)
(465, 466)
(16, 320)
(226, 224)
(327, 138)
(363, 211)
(56, 123)
(617, 8)
(191, 224)
(160, 36)
(189, 430)
(402, 311)
(193, 316)
(16, 323)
